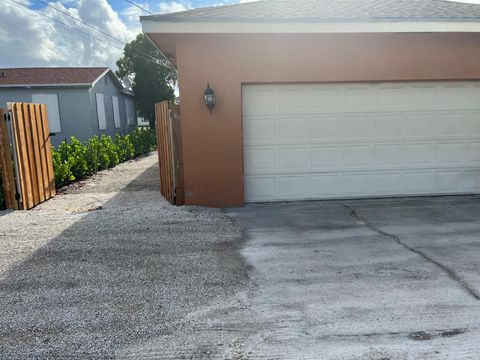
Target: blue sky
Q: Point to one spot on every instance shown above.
(35, 40)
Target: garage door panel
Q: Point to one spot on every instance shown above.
(473, 152)
(325, 157)
(293, 187)
(388, 183)
(449, 181)
(420, 125)
(358, 126)
(360, 140)
(472, 181)
(260, 101)
(451, 153)
(389, 126)
(454, 96)
(327, 98)
(326, 127)
(293, 158)
(358, 98)
(474, 124)
(259, 130)
(421, 182)
(259, 160)
(420, 154)
(325, 186)
(295, 100)
(357, 156)
(391, 97)
(293, 129)
(452, 124)
(356, 184)
(260, 188)
(388, 156)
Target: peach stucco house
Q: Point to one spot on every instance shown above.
(320, 99)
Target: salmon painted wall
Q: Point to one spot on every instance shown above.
(212, 144)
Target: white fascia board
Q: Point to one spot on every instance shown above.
(101, 76)
(149, 26)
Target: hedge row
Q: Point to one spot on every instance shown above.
(75, 160)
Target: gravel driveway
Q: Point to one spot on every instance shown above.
(109, 263)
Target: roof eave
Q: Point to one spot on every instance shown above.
(30, 86)
(350, 26)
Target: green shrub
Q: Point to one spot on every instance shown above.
(75, 160)
(143, 140)
(125, 148)
(61, 166)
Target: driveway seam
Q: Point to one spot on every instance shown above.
(450, 272)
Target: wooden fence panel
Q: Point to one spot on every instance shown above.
(163, 148)
(6, 165)
(169, 152)
(33, 153)
(177, 154)
(47, 150)
(20, 135)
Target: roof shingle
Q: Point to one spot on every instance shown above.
(329, 10)
(50, 75)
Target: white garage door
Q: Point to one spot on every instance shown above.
(361, 140)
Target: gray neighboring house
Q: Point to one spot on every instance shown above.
(81, 102)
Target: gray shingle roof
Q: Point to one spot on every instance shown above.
(329, 10)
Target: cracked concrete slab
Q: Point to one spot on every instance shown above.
(384, 283)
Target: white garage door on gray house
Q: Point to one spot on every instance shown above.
(361, 140)
(81, 102)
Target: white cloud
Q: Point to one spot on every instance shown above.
(34, 40)
(132, 13)
(168, 7)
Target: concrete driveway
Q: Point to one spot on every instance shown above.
(377, 279)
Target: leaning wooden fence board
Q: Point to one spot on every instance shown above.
(30, 161)
(6, 165)
(169, 152)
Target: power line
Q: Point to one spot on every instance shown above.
(83, 22)
(85, 33)
(138, 6)
(93, 27)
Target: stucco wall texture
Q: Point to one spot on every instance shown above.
(212, 144)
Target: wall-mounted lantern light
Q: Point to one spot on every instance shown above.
(209, 98)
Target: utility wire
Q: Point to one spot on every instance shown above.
(138, 6)
(93, 27)
(84, 32)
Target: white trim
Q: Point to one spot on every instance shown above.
(149, 26)
(101, 76)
